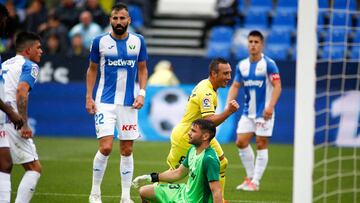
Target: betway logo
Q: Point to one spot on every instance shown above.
(121, 62)
(250, 83)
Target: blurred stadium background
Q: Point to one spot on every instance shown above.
(188, 33)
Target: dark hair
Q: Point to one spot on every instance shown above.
(119, 7)
(207, 126)
(3, 12)
(256, 33)
(214, 64)
(25, 39)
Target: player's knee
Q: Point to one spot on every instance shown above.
(106, 150)
(33, 166)
(146, 191)
(240, 143)
(261, 143)
(126, 151)
(5, 165)
(223, 165)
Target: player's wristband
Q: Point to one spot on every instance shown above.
(154, 177)
(142, 92)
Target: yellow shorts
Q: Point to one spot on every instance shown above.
(180, 145)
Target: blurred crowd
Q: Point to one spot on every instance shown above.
(66, 26)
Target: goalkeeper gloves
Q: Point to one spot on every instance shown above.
(145, 179)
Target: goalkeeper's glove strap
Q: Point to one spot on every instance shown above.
(154, 177)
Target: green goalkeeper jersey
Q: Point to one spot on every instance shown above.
(203, 168)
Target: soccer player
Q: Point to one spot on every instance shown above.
(261, 80)
(201, 104)
(20, 75)
(15, 118)
(120, 56)
(201, 164)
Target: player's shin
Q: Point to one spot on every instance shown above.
(248, 160)
(126, 172)
(262, 158)
(99, 167)
(5, 187)
(223, 166)
(27, 186)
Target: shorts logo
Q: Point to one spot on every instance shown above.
(206, 103)
(2, 133)
(129, 127)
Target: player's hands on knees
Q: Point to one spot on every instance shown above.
(141, 180)
(90, 106)
(26, 132)
(232, 106)
(268, 112)
(139, 102)
(16, 119)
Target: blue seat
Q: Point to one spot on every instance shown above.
(256, 20)
(355, 52)
(277, 52)
(260, 5)
(284, 20)
(321, 21)
(241, 52)
(336, 35)
(336, 52)
(279, 37)
(289, 6)
(356, 37)
(218, 49)
(323, 4)
(340, 19)
(221, 34)
(241, 7)
(344, 4)
(137, 20)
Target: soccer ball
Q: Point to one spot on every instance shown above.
(167, 109)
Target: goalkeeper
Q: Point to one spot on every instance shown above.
(201, 163)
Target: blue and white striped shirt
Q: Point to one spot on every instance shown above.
(118, 62)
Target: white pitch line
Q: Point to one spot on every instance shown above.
(118, 197)
(156, 163)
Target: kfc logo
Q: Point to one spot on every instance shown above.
(129, 127)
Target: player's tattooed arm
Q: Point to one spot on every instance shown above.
(22, 98)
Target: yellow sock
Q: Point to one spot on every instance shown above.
(223, 166)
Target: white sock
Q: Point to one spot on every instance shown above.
(99, 167)
(262, 158)
(126, 173)
(27, 186)
(5, 187)
(247, 157)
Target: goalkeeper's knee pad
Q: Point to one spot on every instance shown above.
(223, 166)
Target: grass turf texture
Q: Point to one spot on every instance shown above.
(67, 171)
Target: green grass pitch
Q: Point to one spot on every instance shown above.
(67, 171)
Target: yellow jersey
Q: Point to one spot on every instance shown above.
(202, 102)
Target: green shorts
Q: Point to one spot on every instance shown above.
(169, 193)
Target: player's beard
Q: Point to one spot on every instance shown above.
(119, 29)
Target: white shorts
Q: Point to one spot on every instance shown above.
(259, 126)
(22, 150)
(3, 139)
(124, 118)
